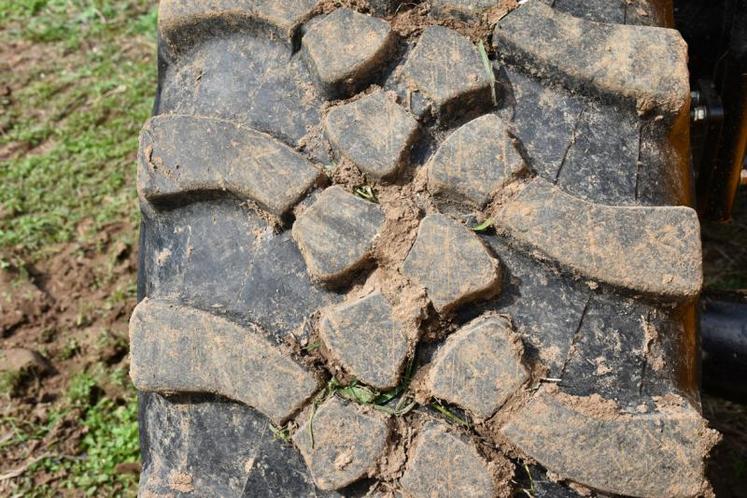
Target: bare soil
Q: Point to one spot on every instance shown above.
(72, 309)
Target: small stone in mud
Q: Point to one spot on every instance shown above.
(479, 366)
(475, 161)
(451, 263)
(375, 133)
(21, 361)
(442, 464)
(336, 234)
(341, 442)
(447, 68)
(367, 340)
(346, 48)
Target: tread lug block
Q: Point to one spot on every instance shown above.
(180, 349)
(374, 133)
(451, 263)
(446, 68)
(544, 120)
(467, 10)
(346, 49)
(479, 367)
(643, 64)
(611, 11)
(183, 157)
(444, 465)
(474, 162)
(588, 440)
(216, 447)
(342, 442)
(650, 250)
(184, 24)
(367, 340)
(336, 234)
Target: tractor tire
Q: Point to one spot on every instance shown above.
(418, 249)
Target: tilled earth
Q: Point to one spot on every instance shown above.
(63, 371)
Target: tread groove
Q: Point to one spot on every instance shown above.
(576, 336)
(638, 162)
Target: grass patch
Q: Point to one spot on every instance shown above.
(488, 70)
(487, 224)
(366, 192)
(450, 415)
(281, 433)
(108, 433)
(81, 89)
(111, 438)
